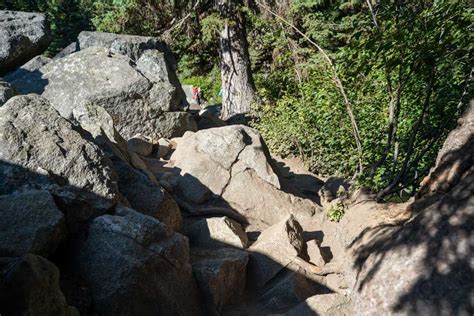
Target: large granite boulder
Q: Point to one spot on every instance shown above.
(22, 36)
(135, 264)
(422, 266)
(241, 174)
(78, 84)
(31, 223)
(152, 56)
(29, 285)
(39, 149)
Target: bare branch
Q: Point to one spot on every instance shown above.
(337, 80)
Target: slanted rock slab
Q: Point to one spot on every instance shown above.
(217, 232)
(274, 249)
(39, 149)
(140, 145)
(134, 264)
(322, 304)
(30, 223)
(314, 253)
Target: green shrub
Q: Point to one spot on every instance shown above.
(336, 212)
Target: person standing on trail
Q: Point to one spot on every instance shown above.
(200, 94)
(196, 95)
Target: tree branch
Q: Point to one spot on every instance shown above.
(337, 80)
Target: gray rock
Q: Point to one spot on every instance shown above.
(81, 83)
(153, 65)
(30, 67)
(274, 249)
(152, 49)
(99, 123)
(135, 264)
(218, 150)
(333, 188)
(131, 46)
(164, 97)
(29, 285)
(139, 145)
(241, 174)
(22, 36)
(147, 197)
(6, 92)
(31, 223)
(68, 50)
(41, 150)
(220, 275)
(217, 232)
(164, 147)
(175, 124)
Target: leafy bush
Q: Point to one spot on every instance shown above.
(336, 212)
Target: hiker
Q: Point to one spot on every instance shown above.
(196, 95)
(200, 94)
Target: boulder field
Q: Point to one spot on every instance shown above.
(112, 202)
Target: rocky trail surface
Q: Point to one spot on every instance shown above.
(116, 200)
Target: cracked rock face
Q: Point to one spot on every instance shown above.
(135, 265)
(41, 150)
(78, 84)
(232, 162)
(22, 36)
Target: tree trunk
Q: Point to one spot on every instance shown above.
(237, 82)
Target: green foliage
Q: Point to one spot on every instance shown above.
(210, 84)
(336, 212)
(416, 60)
(304, 114)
